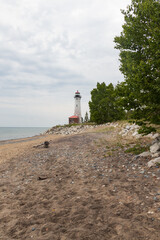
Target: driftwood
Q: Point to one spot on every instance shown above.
(39, 145)
(41, 178)
(45, 144)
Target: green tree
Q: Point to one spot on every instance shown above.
(139, 45)
(86, 118)
(104, 105)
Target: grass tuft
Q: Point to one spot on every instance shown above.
(137, 149)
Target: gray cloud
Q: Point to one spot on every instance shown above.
(48, 50)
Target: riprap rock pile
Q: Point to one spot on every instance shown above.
(64, 130)
(155, 152)
(131, 130)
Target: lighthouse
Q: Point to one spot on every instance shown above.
(76, 118)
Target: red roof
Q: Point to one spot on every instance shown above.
(77, 92)
(74, 116)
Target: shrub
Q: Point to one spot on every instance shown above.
(144, 130)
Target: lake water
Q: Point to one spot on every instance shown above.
(7, 133)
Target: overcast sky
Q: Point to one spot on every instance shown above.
(51, 48)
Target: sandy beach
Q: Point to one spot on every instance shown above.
(84, 186)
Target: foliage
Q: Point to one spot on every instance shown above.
(104, 104)
(137, 149)
(140, 123)
(86, 118)
(140, 59)
(144, 130)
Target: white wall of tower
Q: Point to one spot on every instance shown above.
(77, 110)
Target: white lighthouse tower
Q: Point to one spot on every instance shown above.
(77, 110)
(76, 118)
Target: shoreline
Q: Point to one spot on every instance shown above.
(19, 148)
(18, 140)
(11, 149)
(10, 134)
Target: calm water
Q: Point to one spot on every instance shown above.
(20, 132)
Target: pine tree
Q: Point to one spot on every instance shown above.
(86, 118)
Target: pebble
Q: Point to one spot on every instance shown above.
(150, 212)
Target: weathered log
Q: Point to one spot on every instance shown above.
(39, 145)
(45, 144)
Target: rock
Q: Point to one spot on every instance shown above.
(153, 162)
(146, 176)
(155, 147)
(128, 127)
(135, 133)
(138, 136)
(156, 155)
(135, 157)
(150, 135)
(150, 212)
(145, 154)
(156, 140)
(156, 135)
